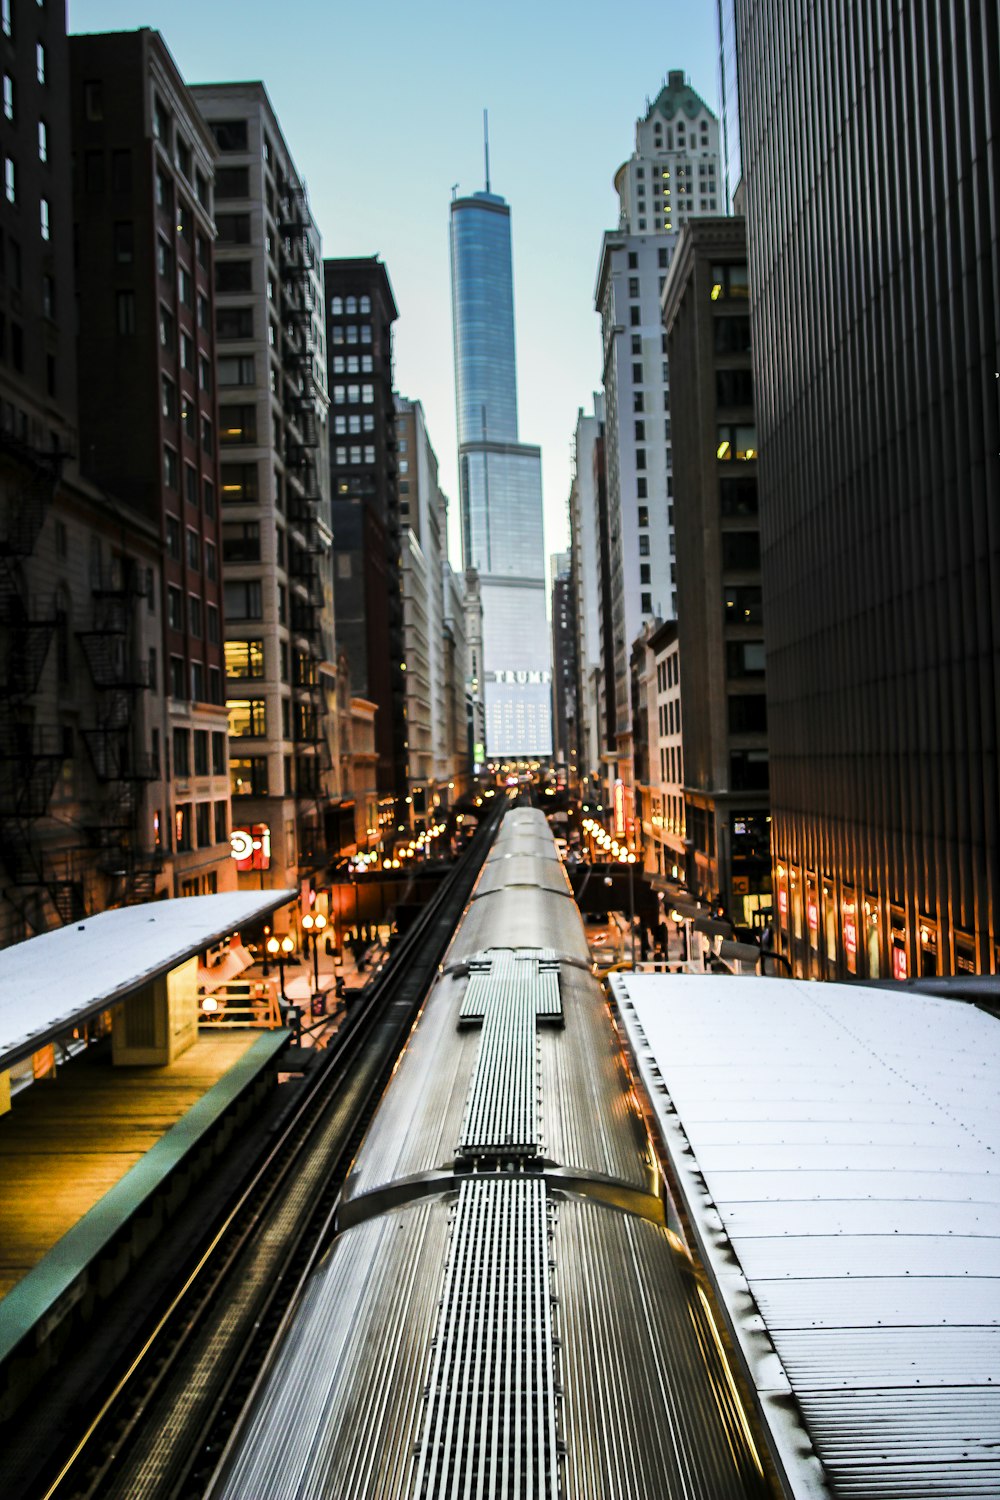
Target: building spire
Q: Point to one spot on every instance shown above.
(486, 145)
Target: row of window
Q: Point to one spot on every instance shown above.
(193, 549)
(356, 454)
(200, 832)
(198, 741)
(248, 719)
(202, 620)
(350, 333)
(190, 686)
(7, 16)
(667, 673)
(349, 306)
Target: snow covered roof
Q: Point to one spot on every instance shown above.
(837, 1149)
(51, 982)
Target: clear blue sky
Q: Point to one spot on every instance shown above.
(381, 104)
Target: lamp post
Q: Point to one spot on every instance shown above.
(281, 951)
(313, 926)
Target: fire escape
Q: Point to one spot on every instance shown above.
(307, 550)
(118, 676)
(31, 753)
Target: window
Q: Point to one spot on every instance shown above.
(640, 432)
(738, 497)
(244, 659)
(178, 683)
(747, 713)
(185, 287)
(637, 374)
(8, 98)
(233, 229)
(241, 541)
(741, 551)
(745, 659)
(236, 369)
(161, 122)
(247, 718)
(644, 546)
(187, 352)
(182, 156)
(182, 752)
(170, 468)
(174, 538)
(237, 424)
(124, 242)
(233, 276)
(221, 823)
(243, 600)
(633, 286)
(729, 281)
(367, 394)
(6, 18)
(234, 322)
(125, 311)
(736, 442)
(207, 435)
(248, 777)
(210, 561)
(40, 61)
(218, 753)
(643, 515)
(633, 261)
(230, 135)
(182, 826)
(175, 609)
(208, 497)
(239, 483)
(201, 752)
(647, 604)
(10, 179)
(644, 573)
(121, 171)
(732, 335)
(203, 823)
(204, 373)
(633, 316)
(193, 548)
(197, 682)
(232, 182)
(203, 315)
(167, 335)
(742, 604)
(733, 388)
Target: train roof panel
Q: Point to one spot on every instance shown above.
(835, 1148)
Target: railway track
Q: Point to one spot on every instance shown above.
(162, 1427)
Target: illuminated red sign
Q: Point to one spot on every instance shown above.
(251, 847)
(783, 900)
(619, 804)
(898, 962)
(812, 915)
(850, 931)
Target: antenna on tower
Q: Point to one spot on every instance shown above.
(486, 145)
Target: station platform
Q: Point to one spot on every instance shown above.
(68, 1140)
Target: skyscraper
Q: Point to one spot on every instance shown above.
(870, 172)
(500, 482)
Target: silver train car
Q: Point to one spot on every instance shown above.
(503, 1312)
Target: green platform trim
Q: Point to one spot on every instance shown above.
(37, 1295)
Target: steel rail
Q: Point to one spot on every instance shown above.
(193, 1357)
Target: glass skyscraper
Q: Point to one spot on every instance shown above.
(500, 483)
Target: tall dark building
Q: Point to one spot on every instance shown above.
(564, 663)
(142, 204)
(364, 482)
(719, 613)
(870, 167)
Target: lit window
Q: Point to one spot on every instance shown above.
(8, 97)
(40, 61)
(10, 180)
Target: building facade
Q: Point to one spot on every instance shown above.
(564, 663)
(588, 537)
(673, 175)
(274, 483)
(365, 475)
(875, 337)
(720, 615)
(144, 225)
(500, 482)
(660, 778)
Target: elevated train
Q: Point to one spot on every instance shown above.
(504, 1311)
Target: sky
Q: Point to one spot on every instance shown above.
(381, 105)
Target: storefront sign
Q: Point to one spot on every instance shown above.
(251, 847)
(899, 969)
(619, 806)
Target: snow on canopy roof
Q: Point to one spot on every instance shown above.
(51, 982)
(838, 1151)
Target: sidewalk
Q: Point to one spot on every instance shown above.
(319, 1025)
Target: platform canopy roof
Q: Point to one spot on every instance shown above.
(837, 1152)
(52, 982)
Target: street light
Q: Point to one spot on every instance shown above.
(313, 926)
(281, 951)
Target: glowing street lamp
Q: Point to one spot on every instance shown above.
(313, 926)
(281, 951)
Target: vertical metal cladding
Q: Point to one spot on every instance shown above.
(490, 1421)
(870, 165)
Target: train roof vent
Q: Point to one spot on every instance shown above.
(501, 1114)
(490, 1420)
(492, 973)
